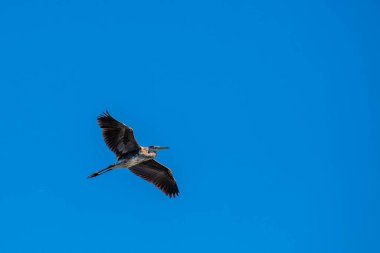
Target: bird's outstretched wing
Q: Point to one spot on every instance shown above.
(118, 137)
(157, 174)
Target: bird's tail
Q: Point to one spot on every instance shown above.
(102, 171)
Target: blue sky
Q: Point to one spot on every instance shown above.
(270, 109)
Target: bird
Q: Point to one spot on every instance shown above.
(140, 160)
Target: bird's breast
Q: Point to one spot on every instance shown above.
(132, 161)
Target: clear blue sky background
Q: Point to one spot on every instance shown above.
(271, 109)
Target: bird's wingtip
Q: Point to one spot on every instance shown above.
(104, 114)
(173, 194)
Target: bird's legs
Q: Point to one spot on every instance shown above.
(101, 171)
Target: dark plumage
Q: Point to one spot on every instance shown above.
(140, 160)
(157, 174)
(118, 137)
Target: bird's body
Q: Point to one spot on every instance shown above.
(134, 158)
(140, 160)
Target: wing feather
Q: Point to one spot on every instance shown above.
(118, 137)
(157, 174)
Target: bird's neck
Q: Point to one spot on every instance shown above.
(145, 151)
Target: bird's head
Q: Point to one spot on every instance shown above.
(156, 148)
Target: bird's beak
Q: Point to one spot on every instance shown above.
(159, 147)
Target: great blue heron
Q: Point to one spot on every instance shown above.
(140, 160)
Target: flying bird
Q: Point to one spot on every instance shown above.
(140, 160)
